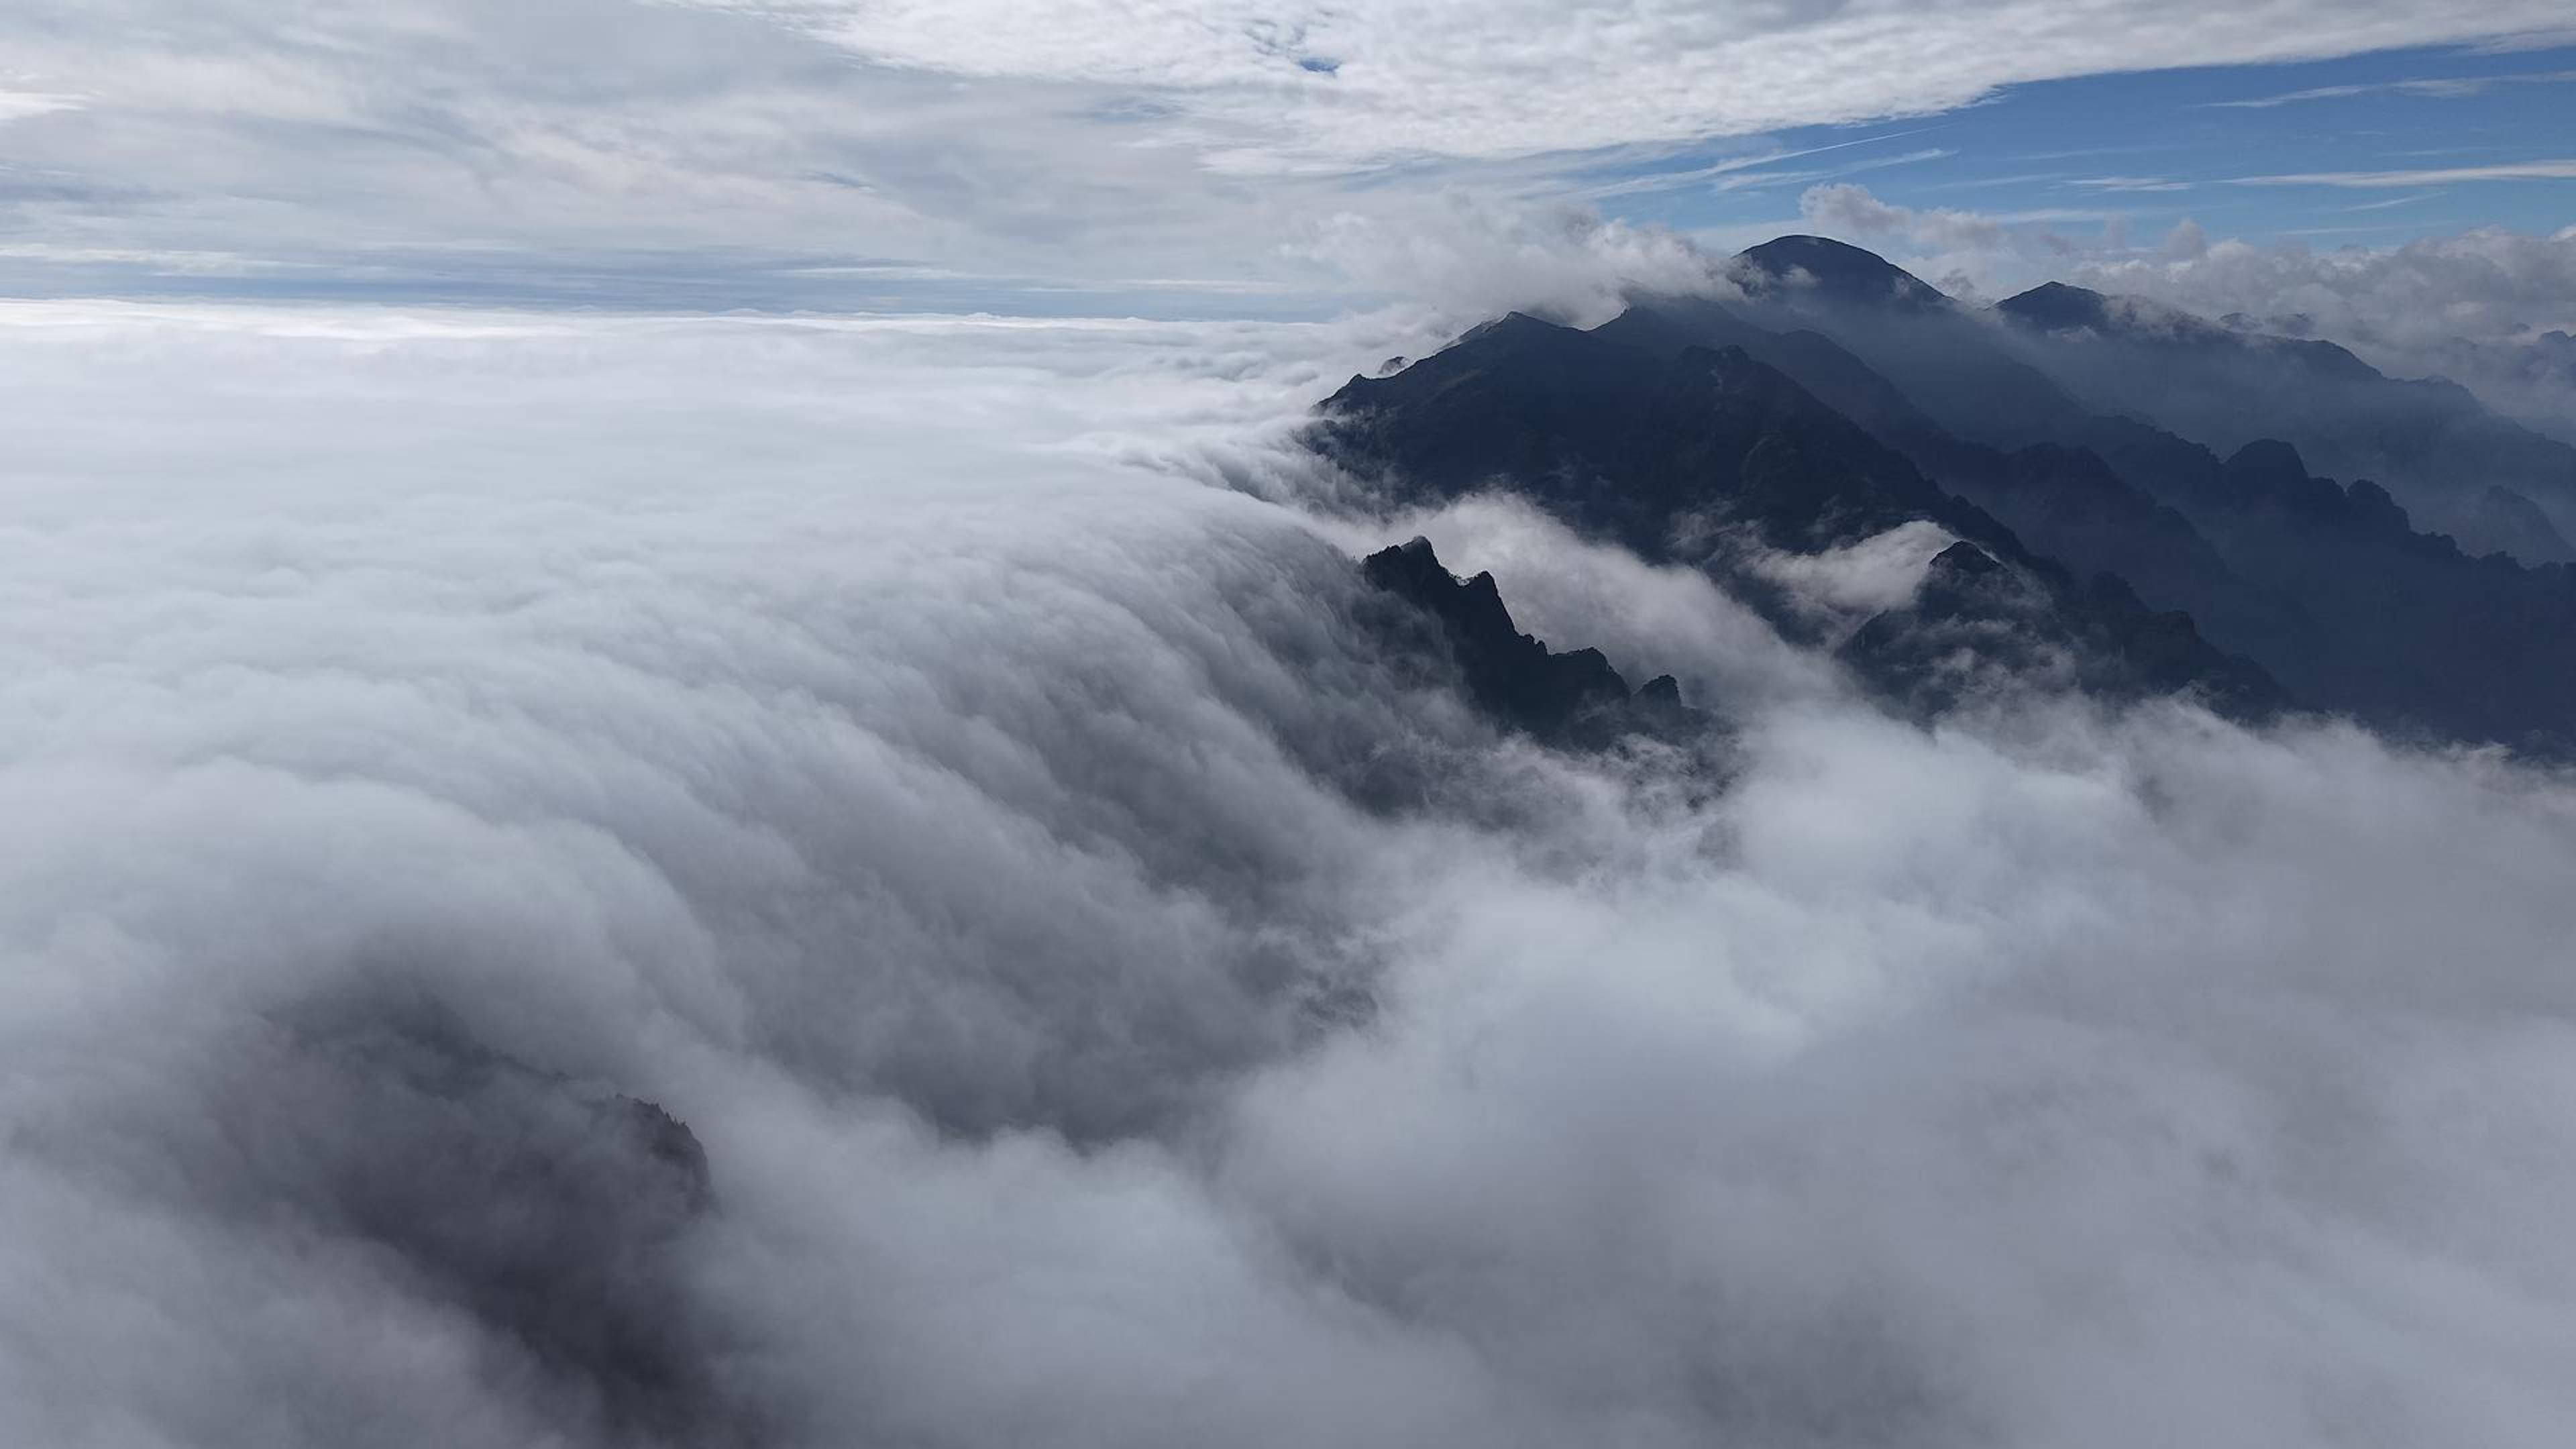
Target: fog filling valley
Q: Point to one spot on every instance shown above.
(582, 880)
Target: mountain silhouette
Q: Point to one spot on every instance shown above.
(2332, 587)
(1713, 458)
(1572, 699)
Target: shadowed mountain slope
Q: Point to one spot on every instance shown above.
(1709, 457)
(2345, 602)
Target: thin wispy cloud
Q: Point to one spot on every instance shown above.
(1979, 183)
(2130, 183)
(2394, 201)
(2437, 87)
(2552, 170)
(20, 104)
(1716, 173)
(1757, 180)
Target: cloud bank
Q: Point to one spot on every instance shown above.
(876, 744)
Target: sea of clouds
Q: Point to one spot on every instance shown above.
(940, 761)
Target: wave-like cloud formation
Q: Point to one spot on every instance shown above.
(876, 746)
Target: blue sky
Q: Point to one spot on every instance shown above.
(2153, 148)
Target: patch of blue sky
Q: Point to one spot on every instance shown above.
(2379, 146)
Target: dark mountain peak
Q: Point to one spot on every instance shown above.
(2236, 341)
(2056, 306)
(1510, 324)
(1412, 570)
(2501, 513)
(1629, 443)
(1573, 699)
(1471, 612)
(1517, 351)
(1964, 560)
(1891, 331)
(1667, 325)
(1835, 270)
(1406, 568)
(2267, 463)
(1978, 624)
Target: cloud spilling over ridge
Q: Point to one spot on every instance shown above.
(872, 743)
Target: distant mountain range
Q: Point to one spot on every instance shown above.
(2132, 489)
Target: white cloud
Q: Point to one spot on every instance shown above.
(17, 104)
(1858, 580)
(1847, 209)
(830, 729)
(2555, 170)
(2129, 183)
(1475, 259)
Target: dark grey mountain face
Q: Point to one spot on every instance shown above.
(2345, 602)
(2051, 364)
(2489, 482)
(1954, 364)
(2063, 502)
(1709, 457)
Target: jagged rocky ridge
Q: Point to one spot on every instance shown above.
(1885, 401)
(1573, 699)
